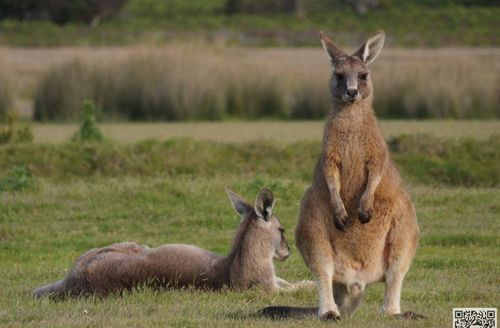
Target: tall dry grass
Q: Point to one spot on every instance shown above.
(6, 90)
(202, 83)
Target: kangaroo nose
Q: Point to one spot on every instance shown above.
(352, 92)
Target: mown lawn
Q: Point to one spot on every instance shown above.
(60, 214)
(43, 231)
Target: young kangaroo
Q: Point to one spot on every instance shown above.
(259, 240)
(357, 224)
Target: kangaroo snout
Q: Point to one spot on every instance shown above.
(282, 254)
(287, 254)
(351, 95)
(352, 92)
(282, 257)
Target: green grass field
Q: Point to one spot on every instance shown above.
(44, 231)
(78, 197)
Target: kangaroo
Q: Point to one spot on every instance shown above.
(259, 239)
(357, 224)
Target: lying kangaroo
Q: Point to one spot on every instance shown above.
(357, 224)
(259, 239)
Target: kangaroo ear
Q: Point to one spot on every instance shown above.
(331, 49)
(239, 204)
(372, 48)
(264, 204)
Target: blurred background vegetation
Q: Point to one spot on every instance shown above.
(247, 22)
(149, 60)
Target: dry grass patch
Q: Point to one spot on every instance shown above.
(277, 131)
(6, 90)
(198, 82)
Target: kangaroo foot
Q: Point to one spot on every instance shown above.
(330, 316)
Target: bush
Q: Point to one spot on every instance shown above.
(161, 9)
(60, 11)
(421, 159)
(466, 162)
(88, 131)
(13, 131)
(262, 7)
(18, 179)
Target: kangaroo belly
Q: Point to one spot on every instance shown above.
(358, 262)
(360, 250)
(358, 253)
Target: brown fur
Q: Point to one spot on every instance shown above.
(119, 267)
(357, 224)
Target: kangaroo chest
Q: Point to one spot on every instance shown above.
(347, 150)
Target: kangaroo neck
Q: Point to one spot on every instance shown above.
(249, 264)
(360, 108)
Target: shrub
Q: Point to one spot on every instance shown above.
(262, 7)
(466, 162)
(421, 159)
(13, 131)
(18, 179)
(60, 11)
(88, 131)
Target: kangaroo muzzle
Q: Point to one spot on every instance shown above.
(351, 93)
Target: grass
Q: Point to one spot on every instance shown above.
(216, 83)
(59, 200)
(42, 232)
(463, 162)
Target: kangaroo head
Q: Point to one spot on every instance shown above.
(264, 229)
(351, 80)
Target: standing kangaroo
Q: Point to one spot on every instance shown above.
(259, 239)
(357, 224)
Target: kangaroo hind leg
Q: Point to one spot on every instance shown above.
(400, 248)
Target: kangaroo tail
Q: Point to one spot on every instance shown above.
(288, 312)
(54, 291)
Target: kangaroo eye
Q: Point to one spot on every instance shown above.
(339, 77)
(363, 76)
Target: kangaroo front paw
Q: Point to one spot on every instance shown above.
(341, 219)
(365, 214)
